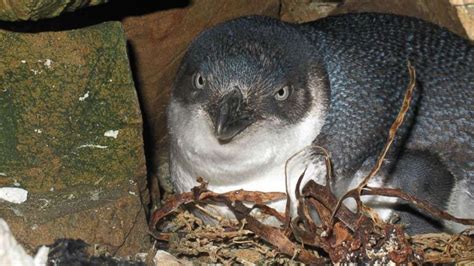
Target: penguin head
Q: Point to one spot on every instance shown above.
(250, 73)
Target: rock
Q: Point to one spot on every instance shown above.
(61, 96)
(112, 219)
(14, 10)
(465, 12)
(164, 258)
(71, 135)
(299, 11)
(12, 253)
(13, 194)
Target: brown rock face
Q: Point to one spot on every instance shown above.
(465, 12)
(299, 11)
(111, 220)
(159, 39)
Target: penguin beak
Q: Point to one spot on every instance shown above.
(230, 118)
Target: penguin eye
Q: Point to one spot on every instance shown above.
(198, 81)
(282, 94)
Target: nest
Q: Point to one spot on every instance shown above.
(340, 236)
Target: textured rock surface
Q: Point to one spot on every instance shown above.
(71, 134)
(300, 11)
(465, 12)
(14, 10)
(68, 108)
(111, 219)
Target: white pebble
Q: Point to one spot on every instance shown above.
(47, 63)
(111, 133)
(85, 96)
(13, 194)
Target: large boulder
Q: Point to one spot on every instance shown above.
(19, 10)
(71, 135)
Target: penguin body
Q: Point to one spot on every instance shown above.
(433, 182)
(254, 91)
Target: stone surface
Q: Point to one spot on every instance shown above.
(11, 253)
(465, 12)
(14, 10)
(71, 135)
(299, 11)
(60, 93)
(111, 220)
(159, 39)
(164, 258)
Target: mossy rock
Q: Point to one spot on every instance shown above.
(69, 113)
(17, 10)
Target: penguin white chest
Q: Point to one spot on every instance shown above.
(254, 160)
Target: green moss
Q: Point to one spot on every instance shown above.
(60, 92)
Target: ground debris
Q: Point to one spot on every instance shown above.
(445, 248)
(225, 242)
(249, 241)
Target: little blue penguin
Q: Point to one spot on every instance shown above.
(253, 92)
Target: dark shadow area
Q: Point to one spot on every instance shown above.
(147, 136)
(417, 221)
(115, 10)
(149, 142)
